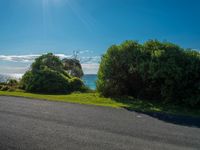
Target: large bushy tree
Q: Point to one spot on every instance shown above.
(153, 70)
(117, 73)
(47, 75)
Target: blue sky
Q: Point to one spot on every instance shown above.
(34, 27)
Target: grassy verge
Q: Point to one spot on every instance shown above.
(95, 99)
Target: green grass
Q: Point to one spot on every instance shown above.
(95, 99)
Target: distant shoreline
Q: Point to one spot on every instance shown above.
(18, 75)
(89, 79)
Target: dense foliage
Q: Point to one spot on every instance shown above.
(73, 67)
(153, 70)
(47, 75)
(10, 85)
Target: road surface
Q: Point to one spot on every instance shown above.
(43, 125)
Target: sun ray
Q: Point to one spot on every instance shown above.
(87, 20)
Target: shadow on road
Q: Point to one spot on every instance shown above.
(144, 107)
(175, 119)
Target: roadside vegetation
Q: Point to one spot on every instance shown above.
(49, 75)
(150, 77)
(93, 98)
(10, 85)
(154, 71)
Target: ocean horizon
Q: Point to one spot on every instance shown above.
(88, 79)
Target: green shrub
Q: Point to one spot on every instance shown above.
(4, 88)
(2, 83)
(12, 89)
(47, 75)
(73, 67)
(76, 84)
(45, 81)
(153, 70)
(118, 74)
(47, 61)
(12, 82)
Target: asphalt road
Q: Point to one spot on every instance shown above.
(42, 125)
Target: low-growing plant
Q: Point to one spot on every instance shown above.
(11, 89)
(12, 82)
(2, 83)
(5, 88)
(76, 84)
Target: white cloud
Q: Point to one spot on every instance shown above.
(16, 58)
(26, 58)
(90, 65)
(90, 68)
(90, 60)
(85, 51)
(13, 70)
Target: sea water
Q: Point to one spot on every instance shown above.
(90, 80)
